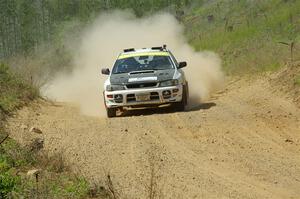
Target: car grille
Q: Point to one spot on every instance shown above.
(154, 96)
(132, 98)
(142, 85)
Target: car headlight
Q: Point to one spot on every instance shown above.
(114, 87)
(172, 82)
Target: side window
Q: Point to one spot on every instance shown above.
(174, 59)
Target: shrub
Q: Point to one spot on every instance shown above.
(297, 80)
(15, 92)
(8, 183)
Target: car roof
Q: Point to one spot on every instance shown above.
(143, 52)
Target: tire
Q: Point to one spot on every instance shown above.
(187, 94)
(111, 112)
(180, 106)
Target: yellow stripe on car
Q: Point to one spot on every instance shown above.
(143, 54)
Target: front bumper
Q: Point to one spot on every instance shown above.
(153, 96)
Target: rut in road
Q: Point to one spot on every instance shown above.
(243, 143)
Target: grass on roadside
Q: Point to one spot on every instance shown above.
(14, 91)
(297, 80)
(52, 182)
(250, 36)
(54, 179)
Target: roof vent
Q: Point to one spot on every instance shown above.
(157, 48)
(129, 50)
(161, 48)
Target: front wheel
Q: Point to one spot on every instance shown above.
(111, 112)
(180, 106)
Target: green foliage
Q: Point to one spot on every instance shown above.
(4, 166)
(238, 27)
(15, 159)
(11, 156)
(16, 156)
(14, 91)
(26, 24)
(8, 183)
(52, 185)
(70, 187)
(297, 80)
(56, 182)
(246, 33)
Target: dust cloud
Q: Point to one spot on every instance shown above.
(104, 39)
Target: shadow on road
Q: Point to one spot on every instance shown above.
(166, 110)
(203, 106)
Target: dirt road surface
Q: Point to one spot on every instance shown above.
(243, 143)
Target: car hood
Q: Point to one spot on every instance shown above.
(142, 76)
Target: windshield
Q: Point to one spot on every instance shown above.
(140, 63)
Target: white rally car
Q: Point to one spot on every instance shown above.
(148, 77)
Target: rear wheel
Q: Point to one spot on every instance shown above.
(111, 112)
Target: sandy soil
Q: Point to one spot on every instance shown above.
(243, 143)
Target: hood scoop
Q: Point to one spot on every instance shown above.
(141, 72)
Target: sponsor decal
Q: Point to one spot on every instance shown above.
(141, 79)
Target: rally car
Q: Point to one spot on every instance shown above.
(147, 77)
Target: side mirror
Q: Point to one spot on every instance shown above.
(105, 71)
(182, 65)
